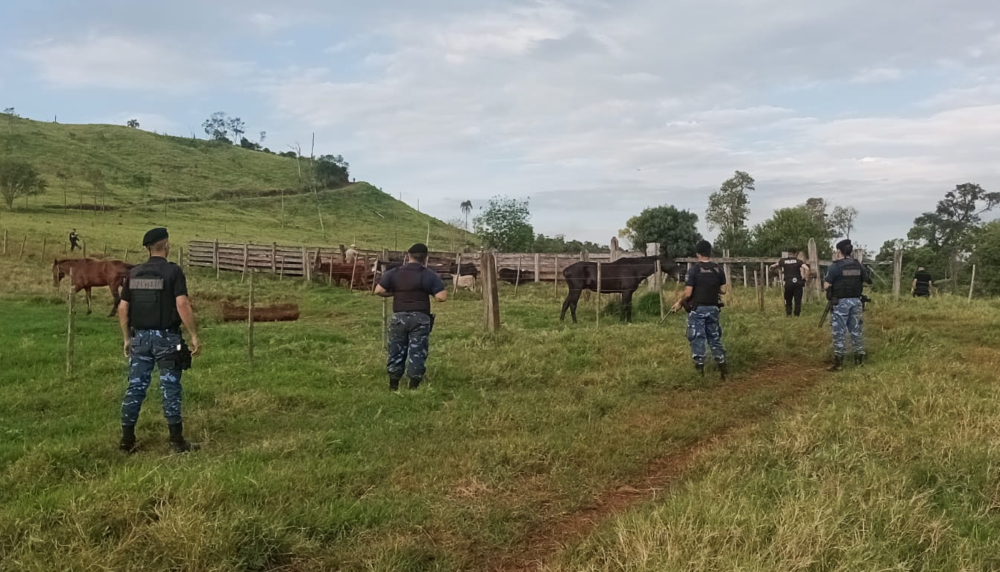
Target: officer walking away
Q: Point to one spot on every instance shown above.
(705, 283)
(796, 273)
(844, 284)
(74, 241)
(154, 305)
(922, 283)
(410, 286)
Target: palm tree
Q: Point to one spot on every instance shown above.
(466, 208)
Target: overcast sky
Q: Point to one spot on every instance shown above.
(593, 109)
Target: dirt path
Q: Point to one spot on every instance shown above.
(661, 474)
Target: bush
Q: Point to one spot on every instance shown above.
(647, 305)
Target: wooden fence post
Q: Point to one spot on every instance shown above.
(250, 322)
(305, 266)
(760, 290)
(45, 241)
(897, 273)
(653, 249)
(354, 268)
(246, 258)
(598, 304)
(274, 258)
(746, 280)
(972, 283)
(5, 242)
(282, 274)
(125, 259)
(385, 324)
(215, 258)
(181, 259)
(555, 288)
(517, 279)
(663, 308)
(491, 301)
(25, 241)
(538, 267)
(105, 250)
(69, 326)
(84, 247)
(814, 266)
(458, 271)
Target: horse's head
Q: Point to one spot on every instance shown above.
(57, 273)
(668, 266)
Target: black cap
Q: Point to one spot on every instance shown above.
(155, 235)
(418, 248)
(845, 247)
(703, 248)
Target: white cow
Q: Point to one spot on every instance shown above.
(467, 282)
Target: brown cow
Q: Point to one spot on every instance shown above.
(90, 273)
(345, 273)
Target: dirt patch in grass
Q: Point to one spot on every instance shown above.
(660, 475)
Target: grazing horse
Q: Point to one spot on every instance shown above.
(622, 276)
(90, 273)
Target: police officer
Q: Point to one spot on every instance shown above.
(922, 283)
(351, 254)
(74, 240)
(705, 283)
(410, 286)
(844, 283)
(795, 272)
(154, 304)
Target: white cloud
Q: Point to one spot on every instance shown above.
(118, 62)
(877, 75)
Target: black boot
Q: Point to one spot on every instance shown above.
(700, 368)
(177, 442)
(127, 444)
(723, 370)
(415, 383)
(393, 384)
(859, 359)
(838, 363)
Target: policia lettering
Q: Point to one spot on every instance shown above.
(411, 287)
(153, 307)
(704, 285)
(844, 283)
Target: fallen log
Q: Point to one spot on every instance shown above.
(277, 313)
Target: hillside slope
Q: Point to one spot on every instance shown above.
(198, 190)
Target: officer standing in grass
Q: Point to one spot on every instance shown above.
(74, 241)
(795, 273)
(410, 286)
(922, 284)
(154, 304)
(844, 283)
(705, 283)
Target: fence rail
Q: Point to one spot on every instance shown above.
(298, 260)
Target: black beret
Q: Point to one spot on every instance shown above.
(703, 248)
(845, 246)
(155, 235)
(418, 248)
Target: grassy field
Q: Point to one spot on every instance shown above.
(310, 464)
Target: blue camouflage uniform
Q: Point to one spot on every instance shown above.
(846, 278)
(411, 286)
(706, 279)
(152, 291)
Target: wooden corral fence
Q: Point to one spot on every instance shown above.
(300, 261)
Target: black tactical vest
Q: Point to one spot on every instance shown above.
(850, 284)
(707, 284)
(153, 306)
(792, 269)
(923, 283)
(408, 294)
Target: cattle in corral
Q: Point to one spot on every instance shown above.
(360, 274)
(466, 282)
(622, 276)
(510, 275)
(91, 273)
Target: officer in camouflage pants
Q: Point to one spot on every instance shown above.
(411, 287)
(845, 281)
(703, 286)
(148, 348)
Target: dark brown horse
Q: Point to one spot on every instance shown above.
(90, 273)
(622, 276)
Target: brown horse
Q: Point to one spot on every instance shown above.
(90, 273)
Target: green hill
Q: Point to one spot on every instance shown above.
(198, 189)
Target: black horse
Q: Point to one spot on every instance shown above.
(622, 276)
